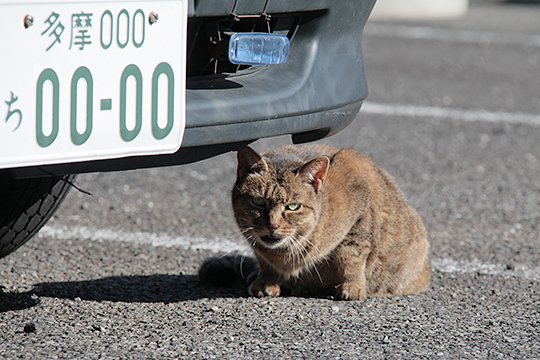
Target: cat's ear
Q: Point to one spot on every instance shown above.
(315, 171)
(250, 161)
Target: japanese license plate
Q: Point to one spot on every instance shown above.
(86, 80)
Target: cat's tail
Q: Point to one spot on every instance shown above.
(225, 271)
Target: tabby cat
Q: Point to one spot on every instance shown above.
(324, 221)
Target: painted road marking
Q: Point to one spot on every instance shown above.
(452, 35)
(480, 115)
(220, 245)
(476, 266)
(141, 238)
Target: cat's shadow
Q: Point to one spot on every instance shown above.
(16, 301)
(132, 289)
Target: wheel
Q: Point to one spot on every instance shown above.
(26, 205)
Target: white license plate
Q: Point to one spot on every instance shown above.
(88, 80)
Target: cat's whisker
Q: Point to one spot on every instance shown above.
(292, 258)
(242, 267)
(251, 240)
(230, 253)
(250, 235)
(298, 251)
(299, 255)
(244, 231)
(311, 262)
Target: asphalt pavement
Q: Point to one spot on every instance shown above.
(453, 113)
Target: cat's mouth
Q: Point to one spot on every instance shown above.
(271, 240)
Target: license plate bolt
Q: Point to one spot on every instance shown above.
(28, 21)
(153, 17)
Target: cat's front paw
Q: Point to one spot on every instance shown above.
(260, 288)
(351, 291)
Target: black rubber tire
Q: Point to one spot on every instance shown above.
(26, 205)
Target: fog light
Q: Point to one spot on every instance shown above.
(258, 49)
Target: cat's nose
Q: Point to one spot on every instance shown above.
(273, 226)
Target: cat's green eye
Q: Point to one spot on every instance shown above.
(293, 206)
(258, 201)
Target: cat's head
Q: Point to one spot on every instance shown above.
(277, 199)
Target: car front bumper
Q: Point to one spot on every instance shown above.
(316, 93)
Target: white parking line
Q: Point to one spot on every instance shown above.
(219, 245)
(451, 113)
(140, 238)
(452, 35)
(467, 267)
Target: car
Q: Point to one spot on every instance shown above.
(107, 86)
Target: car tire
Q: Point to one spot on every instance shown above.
(26, 205)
